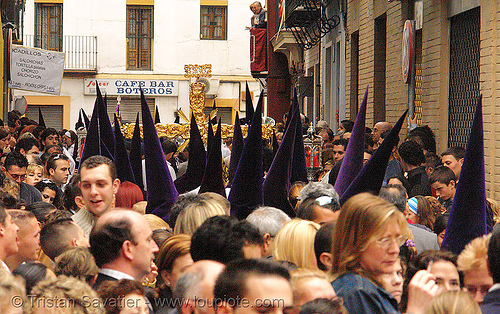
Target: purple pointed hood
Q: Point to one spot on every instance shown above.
(79, 123)
(135, 155)
(353, 158)
(246, 190)
(210, 136)
(248, 105)
(236, 148)
(468, 213)
(160, 187)
(94, 143)
(277, 182)
(212, 178)
(196, 162)
(371, 176)
(122, 162)
(41, 121)
(157, 115)
(105, 128)
(85, 119)
(299, 168)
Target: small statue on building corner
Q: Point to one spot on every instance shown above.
(258, 19)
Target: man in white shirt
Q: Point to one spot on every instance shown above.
(99, 185)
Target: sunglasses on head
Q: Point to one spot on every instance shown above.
(323, 200)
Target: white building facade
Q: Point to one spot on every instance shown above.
(124, 44)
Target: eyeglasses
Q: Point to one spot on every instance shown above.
(386, 242)
(323, 200)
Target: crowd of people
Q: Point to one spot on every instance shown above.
(74, 238)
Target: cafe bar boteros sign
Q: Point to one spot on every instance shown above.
(131, 87)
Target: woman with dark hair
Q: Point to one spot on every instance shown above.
(346, 126)
(50, 192)
(128, 194)
(440, 226)
(4, 141)
(33, 273)
(41, 210)
(441, 264)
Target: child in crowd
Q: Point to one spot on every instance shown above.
(442, 180)
(34, 174)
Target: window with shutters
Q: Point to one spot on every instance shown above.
(48, 26)
(139, 37)
(213, 22)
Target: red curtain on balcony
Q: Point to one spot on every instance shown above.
(258, 49)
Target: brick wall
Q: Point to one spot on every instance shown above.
(489, 69)
(435, 71)
(434, 62)
(396, 91)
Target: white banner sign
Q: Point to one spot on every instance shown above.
(131, 87)
(36, 70)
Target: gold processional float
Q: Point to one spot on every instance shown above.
(180, 132)
(196, 104)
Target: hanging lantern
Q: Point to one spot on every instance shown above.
(312, 146)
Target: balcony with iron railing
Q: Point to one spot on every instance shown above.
(309, 21)
(80, 51)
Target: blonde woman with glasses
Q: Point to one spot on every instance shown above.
(366, 242)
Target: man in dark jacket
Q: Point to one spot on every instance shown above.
(491, 302)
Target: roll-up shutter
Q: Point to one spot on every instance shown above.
(464, 75)
(129, 107)
(52, 115)
(225, 113)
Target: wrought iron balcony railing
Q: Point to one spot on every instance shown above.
(309, 21)
(81, 51)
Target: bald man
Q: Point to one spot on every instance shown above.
(196, 287)
(378, 129)
(122, 245)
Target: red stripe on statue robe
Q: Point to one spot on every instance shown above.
(258, 49)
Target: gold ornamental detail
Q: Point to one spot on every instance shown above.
(196, 104)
